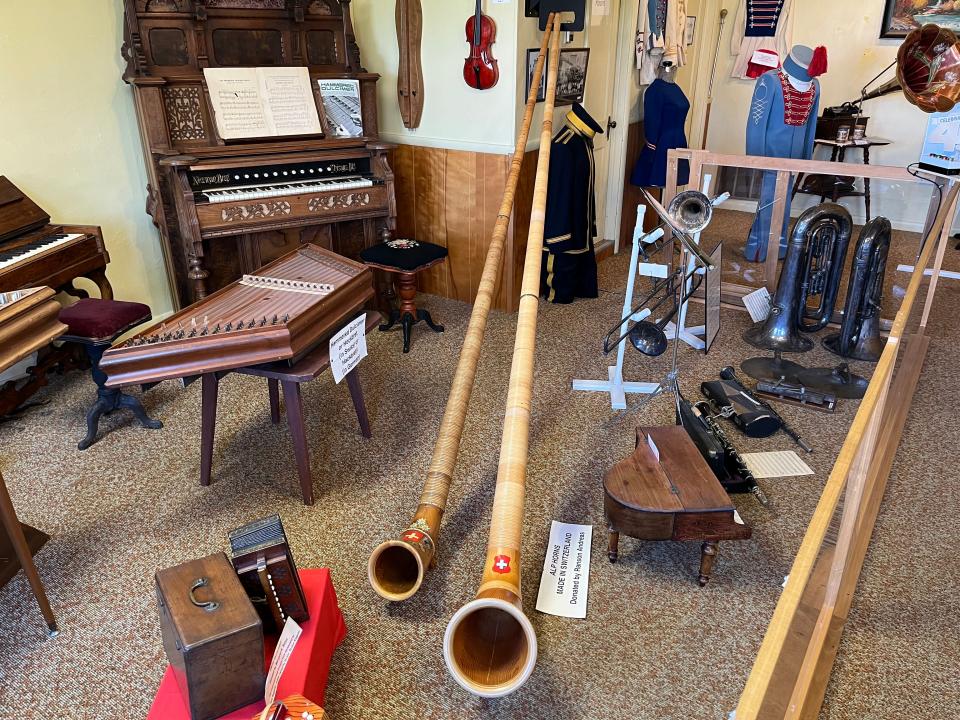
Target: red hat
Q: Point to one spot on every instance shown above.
(761, 61)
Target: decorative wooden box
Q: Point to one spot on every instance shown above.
(212, 636)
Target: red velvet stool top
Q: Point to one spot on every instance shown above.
(100, 321)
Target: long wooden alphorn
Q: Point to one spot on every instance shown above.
(396, 567)
(489, 646)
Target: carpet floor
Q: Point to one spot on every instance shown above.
(654, 645)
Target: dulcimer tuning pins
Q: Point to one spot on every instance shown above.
(240, 325)
(228, 327)
(216, 329)
(275, 320)
(286, 318)
(263, 322)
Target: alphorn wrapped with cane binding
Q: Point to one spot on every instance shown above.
(397, 567)
(489, 646)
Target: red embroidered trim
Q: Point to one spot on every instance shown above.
(796, 104)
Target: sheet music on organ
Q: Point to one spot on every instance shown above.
(262, 102)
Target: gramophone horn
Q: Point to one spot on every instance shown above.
(928, 68)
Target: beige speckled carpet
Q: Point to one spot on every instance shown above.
(654, 645)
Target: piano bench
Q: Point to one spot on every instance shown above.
(405, 258)
(95, 324)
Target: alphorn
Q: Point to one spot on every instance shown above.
(397, 567)
(489, 646)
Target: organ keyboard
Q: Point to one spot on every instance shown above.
(226, 207)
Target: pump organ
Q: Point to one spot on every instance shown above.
(225, 208)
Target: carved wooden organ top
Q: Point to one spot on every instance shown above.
(225, 207)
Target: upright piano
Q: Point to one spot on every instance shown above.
(226, 207)
(35, 252)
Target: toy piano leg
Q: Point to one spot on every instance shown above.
(617, 388)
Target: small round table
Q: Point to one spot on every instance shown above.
(405, 258)
(834, 186)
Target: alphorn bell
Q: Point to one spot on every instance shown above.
(489, 646)
(397, 567)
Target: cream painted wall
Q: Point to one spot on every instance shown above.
(68, 133)
(454, 114)
(850, 32)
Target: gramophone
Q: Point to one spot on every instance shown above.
(928, 73)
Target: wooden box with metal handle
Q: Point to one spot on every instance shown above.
(212, 636)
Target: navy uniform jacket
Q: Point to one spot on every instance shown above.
(569, 267)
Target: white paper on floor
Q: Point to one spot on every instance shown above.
(782, 463)
(566, 571)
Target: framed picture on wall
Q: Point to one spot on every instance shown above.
(902, 16)
(572, 75)
(532, 55)
(690, 30)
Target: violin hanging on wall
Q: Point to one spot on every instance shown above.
(480, 69)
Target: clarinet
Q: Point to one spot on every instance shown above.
(735, 462)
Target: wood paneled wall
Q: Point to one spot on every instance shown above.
(451, 198)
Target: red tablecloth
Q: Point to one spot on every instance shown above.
(309, 665)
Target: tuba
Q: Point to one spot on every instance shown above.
(812, 268)
(397, 566)
(859, 336)
(928, 70)
(825, 251)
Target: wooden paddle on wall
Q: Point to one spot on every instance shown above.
(410, 72)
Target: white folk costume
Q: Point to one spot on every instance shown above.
(760, 24)
(782, 123)
(661, 25)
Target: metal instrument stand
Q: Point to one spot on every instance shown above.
(614, 384)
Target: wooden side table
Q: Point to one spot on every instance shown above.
(675, 497)
(832, 185)
(282, 375)
(405, 258)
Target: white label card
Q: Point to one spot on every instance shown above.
(281, 656)
(653, 448)
(653, 269)
(347, 348)
(566, 571)
(758, 304)
(781, 463)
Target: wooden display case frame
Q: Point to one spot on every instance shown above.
(793, 666)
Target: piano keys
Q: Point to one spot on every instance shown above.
(226, 207)
(280, 313)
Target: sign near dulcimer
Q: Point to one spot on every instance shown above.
(566, 571)
(347, 348)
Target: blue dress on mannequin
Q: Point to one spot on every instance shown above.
(665, 109)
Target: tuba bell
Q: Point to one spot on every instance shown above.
(859, 336)
(812, 268)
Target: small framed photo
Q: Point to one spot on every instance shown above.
(902, 16)
(572, 75)
(690, 30)
(532, 55)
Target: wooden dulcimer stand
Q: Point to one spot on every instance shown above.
(28, 322)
